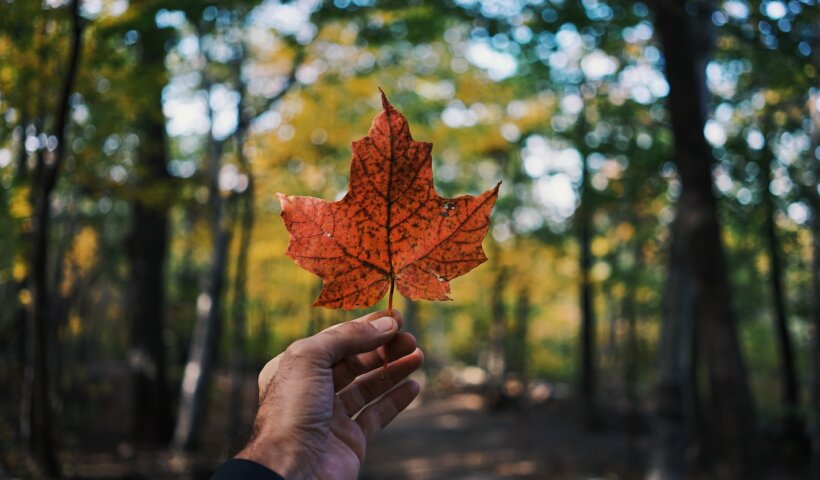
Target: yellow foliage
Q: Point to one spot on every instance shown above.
(80, 258)
(624, 231)
(85, 247)
(24, 297)
(645, 294)
(75, 325)
(19, 269)
(19, 204)
(600, 246)
(762, 263)
(618, 291)
(548, 360)
(772, 97)
(462, 333)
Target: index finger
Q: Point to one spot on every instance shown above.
(350, 338)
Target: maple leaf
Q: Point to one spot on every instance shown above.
(391, 227)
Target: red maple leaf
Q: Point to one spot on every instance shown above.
(391, 227)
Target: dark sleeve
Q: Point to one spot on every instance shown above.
(241, 469)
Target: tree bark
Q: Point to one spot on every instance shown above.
(37, 386)
(239, 313)
(814, 197)
(674, 396)
(147, 248)
(588, 378)
(496, 365)
(240, 307)
(790, 389)
(36, 374)
(687, 37)
(630, 313)
(496, 359)
(199, 368)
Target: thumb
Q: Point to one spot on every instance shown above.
(349, 338)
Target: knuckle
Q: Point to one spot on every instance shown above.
(299, 349)
(335, 333)
(345, 331)
(355, 329)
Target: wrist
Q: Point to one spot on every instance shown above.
(277, 457)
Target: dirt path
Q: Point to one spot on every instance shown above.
(455, 438)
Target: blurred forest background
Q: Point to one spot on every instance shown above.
(652, 295)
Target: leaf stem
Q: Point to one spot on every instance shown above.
(390, 314)
(390, 297)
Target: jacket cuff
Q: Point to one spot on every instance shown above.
(241, 469)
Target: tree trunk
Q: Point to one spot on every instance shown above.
(36, 376)
(240, 306)
(37, 387)
(588, 374)
(669, 462)
(610, 355)
(496, 361)
(199, 368)
(687, 36)
(239, 314)
(147, 252)
(814, 196)
(815, 282)
(148, 245)
(520, 333)
(788, 375)
(202, 355)
(496, 364)
(204, 343)
(631, 360)
(631, 316)
(60, 305)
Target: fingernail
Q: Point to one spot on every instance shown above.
(385, 324)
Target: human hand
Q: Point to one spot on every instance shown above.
(309, 397)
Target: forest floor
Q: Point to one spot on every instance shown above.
(448, 437)
(456, 437)
(451, 435)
